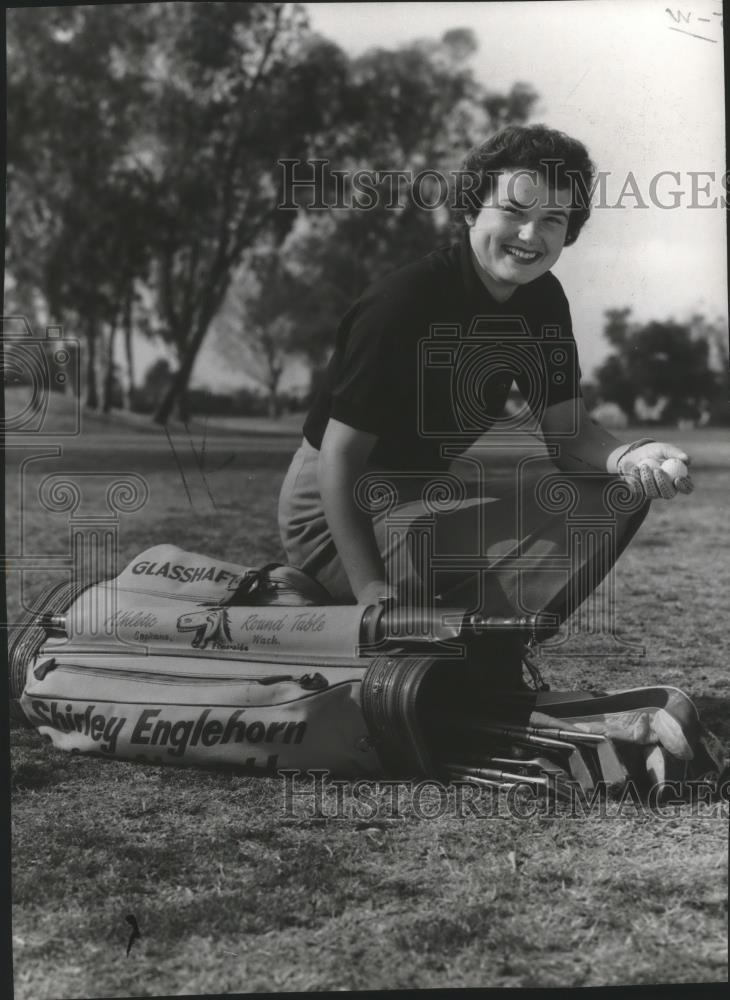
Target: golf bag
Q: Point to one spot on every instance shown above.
(183, 659)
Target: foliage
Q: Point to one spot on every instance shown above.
(406, 110)
(667, 364)
(73, 97)
(254, 330)
(155, 384)
(237, 88)
(145, 148)
(143, 169)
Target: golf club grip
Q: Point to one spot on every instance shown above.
(396, 624)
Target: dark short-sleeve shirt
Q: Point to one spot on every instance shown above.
(426, 358)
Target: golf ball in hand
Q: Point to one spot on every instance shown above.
(675, 469)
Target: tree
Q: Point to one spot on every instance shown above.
(418, 107)
(78, 218)
(144, 155)
(410, 107)
(151, 138)
(254, 329)
(154, 385)
(242, 85)
(655, 361)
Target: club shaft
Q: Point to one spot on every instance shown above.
(557, 739)
(568, 735)
(572, 735)
(494, 774)
(524, 735)
(486, 782)
(540, 765)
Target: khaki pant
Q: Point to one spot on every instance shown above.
(531, 540)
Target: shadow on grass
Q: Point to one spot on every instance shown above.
(32, 776)
(715, 714)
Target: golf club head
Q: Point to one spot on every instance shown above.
(671, 734)
(711, 762)
(664, 769)
(613, 770)
(580, 769)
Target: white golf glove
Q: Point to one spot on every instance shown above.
(652, 468)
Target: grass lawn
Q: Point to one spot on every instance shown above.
(234, 895)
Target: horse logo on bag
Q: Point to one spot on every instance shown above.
(211, 627)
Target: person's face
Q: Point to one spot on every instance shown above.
(519, 233)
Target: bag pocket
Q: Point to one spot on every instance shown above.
(258, 721)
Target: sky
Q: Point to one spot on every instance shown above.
(641, 84)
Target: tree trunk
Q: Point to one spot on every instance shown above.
(176, 390)
(75, 373)
(274, 409)
(213, 295)
(183, 408)
(51, 371)
(128, 350)
(92, 390)
(109, 372)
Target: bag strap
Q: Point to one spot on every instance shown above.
(278, 583)
(250, 585)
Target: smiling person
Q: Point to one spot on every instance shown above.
(422, 368)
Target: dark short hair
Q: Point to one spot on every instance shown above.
(553, 155)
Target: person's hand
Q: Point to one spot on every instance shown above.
(375, 592)
(656, 469)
